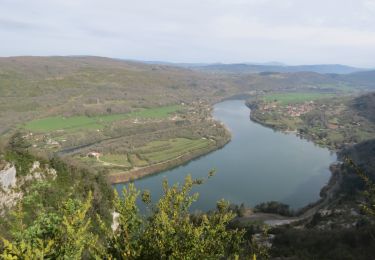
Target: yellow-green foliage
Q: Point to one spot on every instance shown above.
(172, 218)
(71, 239)
(168, 232)
(76, 236)
(25, 250)
(125, 242)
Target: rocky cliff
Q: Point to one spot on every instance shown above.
(10, 184)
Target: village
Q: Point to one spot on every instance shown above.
(328, 122)
(292, 110)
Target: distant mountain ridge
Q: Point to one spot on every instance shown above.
(330, 73)
(255, 68)
(360, 79)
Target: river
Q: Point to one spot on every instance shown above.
(257, 165)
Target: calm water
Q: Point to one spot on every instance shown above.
(257, 165)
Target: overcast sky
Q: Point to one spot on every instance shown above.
(289, 31)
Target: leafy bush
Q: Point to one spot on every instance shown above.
(169, 232)
(274, 207)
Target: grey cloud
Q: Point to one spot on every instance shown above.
(100, 32)
(16, 25)
(291, 31)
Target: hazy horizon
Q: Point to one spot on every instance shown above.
(223, 31)
(166, 62)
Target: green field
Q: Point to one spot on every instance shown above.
(154, 152)
(136, 161)
(97, 122)
(292, 98)
(118, 159)
(158, 151)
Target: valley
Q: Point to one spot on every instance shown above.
(243, 172)
(128, 119)
(71, 125)
(228, 130)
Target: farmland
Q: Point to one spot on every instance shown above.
(159, 151)
(152, 153)
(292, 98)
(96, 122)
(115, 159)
(144, 137)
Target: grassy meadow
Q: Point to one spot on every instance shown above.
(293, 98)
(96, 122)
(116, 159)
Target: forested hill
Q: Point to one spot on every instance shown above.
(363, 154)
(365, 105)
(43, 86)
(360, 79)
(316, 74)
(35, 87)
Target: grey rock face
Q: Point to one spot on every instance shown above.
(8, 178)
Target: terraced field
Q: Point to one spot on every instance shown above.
(159, 151)
(155, 152)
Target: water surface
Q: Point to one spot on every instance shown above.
(258, 165)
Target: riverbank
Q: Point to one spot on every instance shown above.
(305, 214)
(142, 172)
(327, 193)
(244, 173)
(219, 141)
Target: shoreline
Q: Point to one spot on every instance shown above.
(327, 192)
(146, 171)
(287, 131)
(306, 213)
